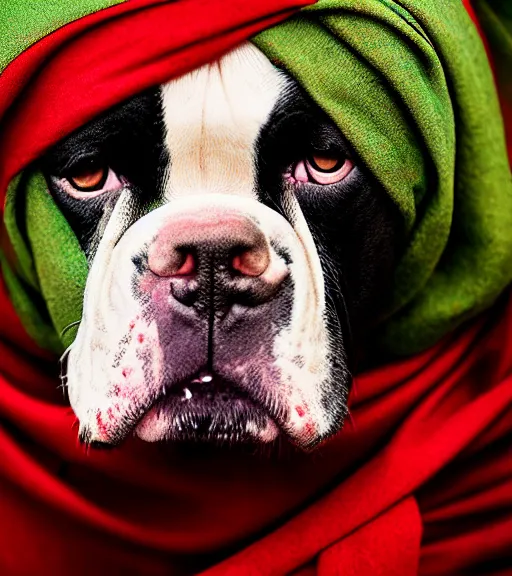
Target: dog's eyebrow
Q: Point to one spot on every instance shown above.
(60, 162)
(328, 137)
(119, 126)
(295, 127)
(88, 142)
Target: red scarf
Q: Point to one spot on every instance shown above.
(420, 476)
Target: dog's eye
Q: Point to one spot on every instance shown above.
(323, 167)
(90, 179)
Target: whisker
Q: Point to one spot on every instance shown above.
(65, 354)
(63, 377)
(69, 326)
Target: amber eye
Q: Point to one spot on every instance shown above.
(322, 167)
(325, 162)
(88, 178)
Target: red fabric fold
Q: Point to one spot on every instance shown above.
(459, 407)
(387, 546)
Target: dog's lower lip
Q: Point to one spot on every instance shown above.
(206, 408)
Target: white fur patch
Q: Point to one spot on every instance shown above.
(212, 118)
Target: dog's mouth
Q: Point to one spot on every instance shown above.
(207, 408)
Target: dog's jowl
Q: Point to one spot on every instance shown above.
(238, 250)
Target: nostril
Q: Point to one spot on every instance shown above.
(165, 261)
(188, 265)
(250, 261)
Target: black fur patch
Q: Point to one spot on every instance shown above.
(354, 223)
(130, 140)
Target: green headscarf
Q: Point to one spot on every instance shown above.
(409, 85)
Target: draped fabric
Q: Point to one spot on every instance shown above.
(418, 481)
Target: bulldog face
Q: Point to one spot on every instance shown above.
(237, 249)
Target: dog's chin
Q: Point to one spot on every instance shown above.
(208, 410)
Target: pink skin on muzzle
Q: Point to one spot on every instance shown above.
(174, 252)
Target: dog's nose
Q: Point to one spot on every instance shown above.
(218, 252)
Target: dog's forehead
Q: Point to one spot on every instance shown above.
(212, 118)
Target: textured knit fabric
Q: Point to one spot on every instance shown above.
(495, 17)
(410, 87)
(23, 22)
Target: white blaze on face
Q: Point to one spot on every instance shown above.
(213, 116)
(212, 120)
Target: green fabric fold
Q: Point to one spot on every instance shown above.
(48, 283)
(24, 22)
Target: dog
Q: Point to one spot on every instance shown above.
(239, 252)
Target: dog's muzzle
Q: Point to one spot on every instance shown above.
(210, 276)
(202, 321)
(209, 262)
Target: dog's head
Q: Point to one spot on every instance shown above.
(238, 251)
